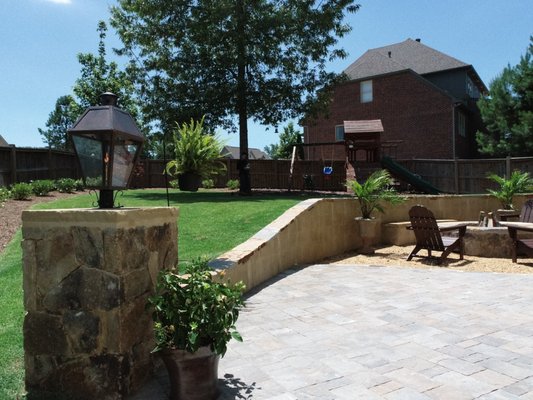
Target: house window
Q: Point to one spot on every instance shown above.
(471, 89)
(339, 133)
(366, 91)
(461, 124)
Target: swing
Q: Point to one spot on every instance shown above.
(327, 170)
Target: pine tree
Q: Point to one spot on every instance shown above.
(508, 111)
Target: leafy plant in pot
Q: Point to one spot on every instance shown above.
(519, 182)
(370, 195)
(197, 155)
(194, 319)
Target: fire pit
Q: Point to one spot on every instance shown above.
(488, 241)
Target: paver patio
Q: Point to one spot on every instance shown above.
(370, 332)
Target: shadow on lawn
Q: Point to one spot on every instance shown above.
(215, 196)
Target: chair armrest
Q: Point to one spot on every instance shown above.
(461, 229)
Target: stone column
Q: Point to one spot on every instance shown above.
(87, 276)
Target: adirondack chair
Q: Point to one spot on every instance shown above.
(428, 234)
(524, 246)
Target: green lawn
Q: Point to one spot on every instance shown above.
(209, 224)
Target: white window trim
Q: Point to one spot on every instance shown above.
(367, 96)
(336, 136)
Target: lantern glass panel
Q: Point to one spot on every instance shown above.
(90, 155)
(123, 158)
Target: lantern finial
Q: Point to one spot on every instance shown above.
(108, 99)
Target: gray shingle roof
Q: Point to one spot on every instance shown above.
(3, 143)
(234, 152)
(409, 54)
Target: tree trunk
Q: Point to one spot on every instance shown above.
(241, 86)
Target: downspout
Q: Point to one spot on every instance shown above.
(455, 104)
(454, 153)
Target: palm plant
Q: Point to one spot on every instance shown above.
(375, 190)
(519, 182)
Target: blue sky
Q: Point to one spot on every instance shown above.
(41, 38)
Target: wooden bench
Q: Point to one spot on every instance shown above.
(397, 234)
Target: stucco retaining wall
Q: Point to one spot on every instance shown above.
(319, 228)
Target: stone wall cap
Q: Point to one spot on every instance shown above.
(122, 217)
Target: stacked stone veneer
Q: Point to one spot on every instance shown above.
(87, 276)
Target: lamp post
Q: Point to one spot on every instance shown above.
(107, 143)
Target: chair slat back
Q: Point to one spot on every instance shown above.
(425, 228)
(526, 214)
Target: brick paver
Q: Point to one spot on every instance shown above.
(350, 332)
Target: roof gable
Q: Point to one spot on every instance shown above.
(234, 152)
(3, 143)
(409, 54)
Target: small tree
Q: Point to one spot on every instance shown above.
(289, 138)
(62, 118)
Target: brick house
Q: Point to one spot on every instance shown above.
(425, 99)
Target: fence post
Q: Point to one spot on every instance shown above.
(51, 171)
(13, 164)
(507, 167)
(456, 175)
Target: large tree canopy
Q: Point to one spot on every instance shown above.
(260, 59)
(508, 111)
(97, 76)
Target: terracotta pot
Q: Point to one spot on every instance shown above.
(189, 181)
(369, 230)
(193, 376)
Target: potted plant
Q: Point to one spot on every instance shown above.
(194, 319)
(370, 195)
(197, 155)
(519, 182)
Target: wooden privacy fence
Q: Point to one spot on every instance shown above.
(18, 164)
(270, 174)
(466, 176)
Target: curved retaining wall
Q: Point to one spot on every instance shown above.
(319, 228)
(312, 230)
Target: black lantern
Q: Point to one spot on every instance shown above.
(107, 143)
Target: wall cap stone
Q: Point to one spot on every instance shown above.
(122, 218)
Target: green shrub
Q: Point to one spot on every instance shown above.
(66, 185)
(21, 191)
(174, 184)
(309, 183)
(195, 310)
(233, 184)
(208, 183)
(4, 195)
(79, 186)
(42, 187)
